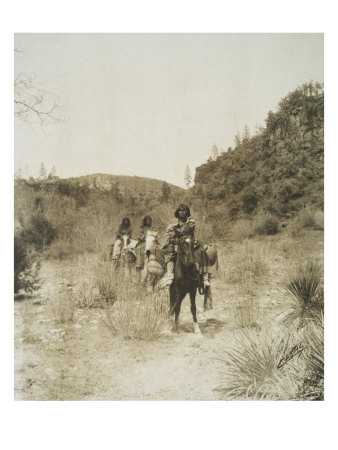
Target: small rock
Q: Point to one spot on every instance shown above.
(77, 326)
(55, 330)
(94, 328)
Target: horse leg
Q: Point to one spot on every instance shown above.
(207, 298)
(175, 305)
(177, 311)
(192, 294)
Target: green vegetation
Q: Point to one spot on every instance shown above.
(279, 170)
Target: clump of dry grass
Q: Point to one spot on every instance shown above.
(267, 225)
(137, 314)
(242, 229)
(62, 307)
(305, 295)
(246, 260)
(310, 217)
(106, 281)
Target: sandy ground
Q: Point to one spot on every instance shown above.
(82, 360)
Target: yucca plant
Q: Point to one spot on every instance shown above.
(305, 295)
(252, 371)
(313, 385)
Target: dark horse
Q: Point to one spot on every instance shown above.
(186, 281)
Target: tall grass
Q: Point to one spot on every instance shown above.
(305, 295)
(128, 309)
(138, 315)
(62, 307)
(245, 260)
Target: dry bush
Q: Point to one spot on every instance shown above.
(310, 217)
(252, 371)
(267, 225)
(246, 308)
(26, 266)
(242, 229)
(107, 281)
(136, 314)
(88, 296)
(246, 260)
(305, 295)
(62, 307)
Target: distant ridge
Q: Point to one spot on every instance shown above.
(104, 182)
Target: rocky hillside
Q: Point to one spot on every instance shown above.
(279, 170)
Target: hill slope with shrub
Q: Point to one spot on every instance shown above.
(61, 217)
(280, 170)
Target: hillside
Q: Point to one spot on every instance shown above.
(69, 216)
(279, 170)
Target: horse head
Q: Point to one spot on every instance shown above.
(125, 240)
(150, 241)
(186, 251)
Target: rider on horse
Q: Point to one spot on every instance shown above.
(123, 230)
(185, 226)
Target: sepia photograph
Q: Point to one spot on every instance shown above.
(169, 217)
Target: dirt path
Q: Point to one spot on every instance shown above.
(84, 361)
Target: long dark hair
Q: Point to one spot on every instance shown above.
(145, 220)
(185, 208)
(125, 221)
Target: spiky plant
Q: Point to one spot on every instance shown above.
(305, 295)
(313, 386)
(252, 371)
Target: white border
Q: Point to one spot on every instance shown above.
(166, 424)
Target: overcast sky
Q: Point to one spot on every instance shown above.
(149, 104)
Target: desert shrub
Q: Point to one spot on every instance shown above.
(62, 307)
(267, 225)
(242, 229)
(39, 232)
(26, 267)
(88, 296)
(251, 367)
(310, 217)
(246, 311)
(305, 295)
(107, 282)
(313, 384)
(137, 314)
(247, 259)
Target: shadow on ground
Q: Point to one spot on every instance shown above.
(209, 328)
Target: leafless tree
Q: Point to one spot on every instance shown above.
(32, 102)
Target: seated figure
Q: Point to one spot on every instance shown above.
(185, 226)
(123, 230)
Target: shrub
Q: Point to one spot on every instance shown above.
(26, 267)
(135, 314)
(247, 260)
(242, 229)
(313, 385)
(267, 225)
(252, 371)
(39, 232)
(305, 295)
(62, 307)
(310, 217)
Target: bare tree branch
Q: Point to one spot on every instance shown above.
(31, 100)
